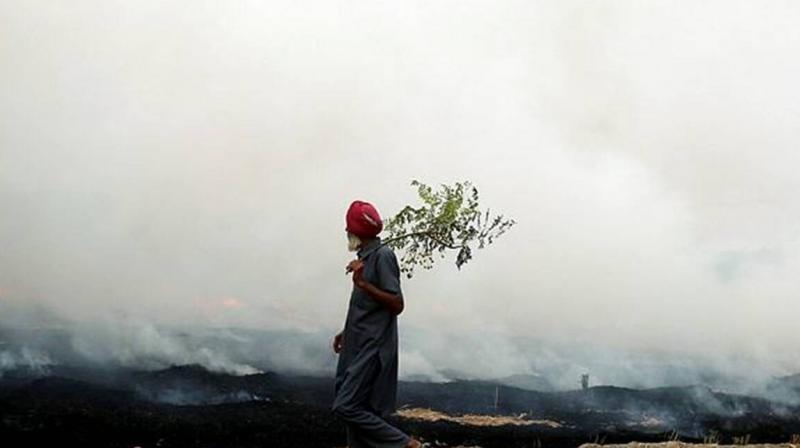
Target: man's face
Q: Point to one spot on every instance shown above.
(353, 242)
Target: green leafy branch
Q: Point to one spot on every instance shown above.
(448, 219)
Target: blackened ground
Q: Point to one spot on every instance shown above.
(190, 407)
(70, 414)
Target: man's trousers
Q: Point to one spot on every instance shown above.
(365, 428)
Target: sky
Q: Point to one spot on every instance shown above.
(190, 163)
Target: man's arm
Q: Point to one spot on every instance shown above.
(392, 301)
(387, 291)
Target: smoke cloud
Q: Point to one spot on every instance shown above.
(187, 165)
(25, 359)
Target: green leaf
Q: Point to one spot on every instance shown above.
(447, 220)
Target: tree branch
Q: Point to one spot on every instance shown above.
(425, 233)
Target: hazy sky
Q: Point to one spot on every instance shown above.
(191, 162)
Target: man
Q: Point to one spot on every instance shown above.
(366, 374)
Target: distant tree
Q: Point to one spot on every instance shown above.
(448, 219)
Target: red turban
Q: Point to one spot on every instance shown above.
(363, 220)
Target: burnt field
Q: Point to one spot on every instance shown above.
(188, 406)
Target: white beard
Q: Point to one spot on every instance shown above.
(353, 242)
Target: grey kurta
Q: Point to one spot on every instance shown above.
(366, 374)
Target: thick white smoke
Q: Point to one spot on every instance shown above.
(143, 346)
(189, 164)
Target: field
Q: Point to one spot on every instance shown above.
(188, 406)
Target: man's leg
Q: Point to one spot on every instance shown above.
(351, 405)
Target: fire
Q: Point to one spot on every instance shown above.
(232, 302)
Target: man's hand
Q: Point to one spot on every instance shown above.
(338, 342)
(357, 268)
(393, 301)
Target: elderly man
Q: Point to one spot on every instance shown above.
(366, 374)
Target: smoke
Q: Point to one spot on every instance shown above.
(192, 397)
(130, 343)
(143, 346)
(536, 364)
(415, 366)
(26, 359)
(187, 167)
